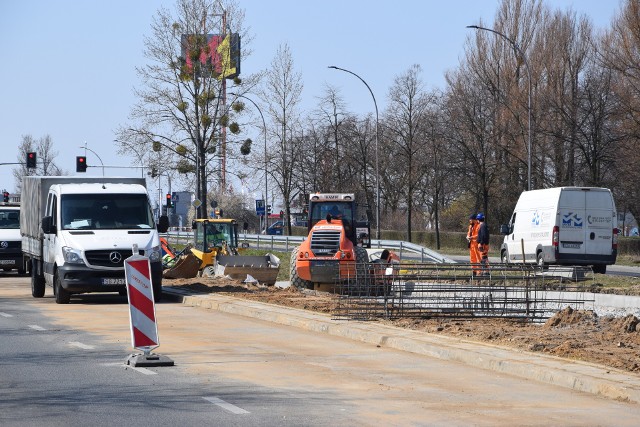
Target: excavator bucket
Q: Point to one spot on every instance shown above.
(186, 267)
(263, 269)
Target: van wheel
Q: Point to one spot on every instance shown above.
(540, 260)
(62, 296)
(504, 257)
(37, 285)
(600, 268)
(157, 292)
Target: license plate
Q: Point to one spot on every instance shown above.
(113, 281)
(7, 262)
(571, 245)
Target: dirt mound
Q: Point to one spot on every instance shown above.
(213, 284)
(626, 324)
(569, 316)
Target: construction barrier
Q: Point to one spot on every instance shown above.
(142, 315)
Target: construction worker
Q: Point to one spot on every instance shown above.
(472, 238)
(483, 243)
(215, 236)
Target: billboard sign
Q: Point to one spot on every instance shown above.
(220, 55)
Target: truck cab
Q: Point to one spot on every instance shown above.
(10, 239)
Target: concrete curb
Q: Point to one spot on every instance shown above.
(580, 376)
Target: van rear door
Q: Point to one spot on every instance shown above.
(586, 223)
(599, 219)
(572, 223)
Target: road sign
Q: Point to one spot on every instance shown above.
(142, 310)
(196, 203)
(260, 209)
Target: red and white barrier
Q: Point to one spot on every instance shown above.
(142, 310)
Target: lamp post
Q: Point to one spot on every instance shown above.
(85, 154)
(519, 51)
(377, 156)
(264, 130)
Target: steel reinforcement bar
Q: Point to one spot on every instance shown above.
(516, 291)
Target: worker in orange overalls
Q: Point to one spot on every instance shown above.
(483, 244)
(472, 238)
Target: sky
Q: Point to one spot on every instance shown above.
(69, 68)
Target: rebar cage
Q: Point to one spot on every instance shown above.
(422, 290)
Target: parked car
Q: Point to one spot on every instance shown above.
(276, 229)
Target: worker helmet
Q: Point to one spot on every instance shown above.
(480, 217)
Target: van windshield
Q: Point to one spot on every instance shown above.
(105, 211)
(9, 219)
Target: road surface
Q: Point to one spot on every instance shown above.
(63, 365)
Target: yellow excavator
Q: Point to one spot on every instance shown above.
(214, 252)
(214, 237)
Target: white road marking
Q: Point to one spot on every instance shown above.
(80, 345)
(5, 314)
(144, 371)
(141, 370)
(37, 328)
(225, 405)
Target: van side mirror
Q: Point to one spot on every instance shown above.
(47, 225)
(163, 224)
(505, 229)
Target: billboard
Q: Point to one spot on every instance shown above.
(220, 55)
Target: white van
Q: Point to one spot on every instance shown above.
(77, 232)
(10, 239)
(563, 225)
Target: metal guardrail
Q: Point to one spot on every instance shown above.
(288, 243)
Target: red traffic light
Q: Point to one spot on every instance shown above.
(31, 160)
(5, 196)
(81, 163)
(169, 201)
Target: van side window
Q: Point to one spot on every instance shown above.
(47, 211)
(54, 209)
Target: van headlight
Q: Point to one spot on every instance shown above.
(72, 256)
(155, 254)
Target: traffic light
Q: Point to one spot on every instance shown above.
(31, 160)
(268, 209)
(281, 214)
(81, 163)
(5, 196)
(169, 201)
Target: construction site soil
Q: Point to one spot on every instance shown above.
(573, 334)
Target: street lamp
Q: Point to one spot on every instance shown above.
(264, 129)
(377, 159)
(85, 153)
(526, 63)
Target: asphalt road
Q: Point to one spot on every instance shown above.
(64, 365)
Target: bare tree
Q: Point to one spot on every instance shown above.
(45, 156)
(564, 50)
(619, 51)
(406, 118)
(182, 114)
(282, 93)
